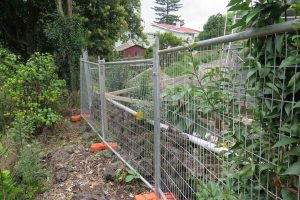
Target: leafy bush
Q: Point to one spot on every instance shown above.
(67, 36)
(35, 90)
(32, 175)
(280, 119)
(167, 40)
(213, 191)
(8, 65)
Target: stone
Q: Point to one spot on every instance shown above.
(61, 175)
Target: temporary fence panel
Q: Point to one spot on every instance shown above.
(210, 120)
(230, 115)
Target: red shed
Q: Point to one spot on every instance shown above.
(129, 51)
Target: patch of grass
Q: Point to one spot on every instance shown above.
(178, 69)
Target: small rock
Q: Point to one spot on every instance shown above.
(61, 175)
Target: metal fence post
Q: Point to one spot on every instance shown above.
(101, 65)
(81, 84)
(156, 96)
(87, 76)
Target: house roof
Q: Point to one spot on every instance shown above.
(181, 29)
(125, 46)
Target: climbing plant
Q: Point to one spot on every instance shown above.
(274, 80)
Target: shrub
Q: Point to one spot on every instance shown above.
(35, 90)
(32, 174)
(8, 65)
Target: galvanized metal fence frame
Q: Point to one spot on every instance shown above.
(87, 87)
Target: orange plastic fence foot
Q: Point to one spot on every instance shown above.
(101, 146)
(153, 196)
(75, 118)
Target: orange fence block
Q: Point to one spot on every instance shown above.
(152, 196)
(75, 118)
(101, 146)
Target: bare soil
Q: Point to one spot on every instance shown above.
(77, 173)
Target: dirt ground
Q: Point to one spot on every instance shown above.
(77, 173)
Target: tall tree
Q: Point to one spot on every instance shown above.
(165, 10)
(20, 24)
(214, 27)
(64, 27)
(107, 21)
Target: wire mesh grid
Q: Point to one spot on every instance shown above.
(90, 94)
(129, 106)
(227, 116)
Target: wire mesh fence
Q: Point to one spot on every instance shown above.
(228, 124)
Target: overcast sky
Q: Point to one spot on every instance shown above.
(194, 12)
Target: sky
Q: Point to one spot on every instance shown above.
(194, 12)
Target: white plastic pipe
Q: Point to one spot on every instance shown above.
(200, 142)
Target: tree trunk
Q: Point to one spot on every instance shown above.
(70, 7)
(59, 7)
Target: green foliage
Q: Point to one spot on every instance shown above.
(213, 191)
(132, 176)
(184, 66)
(30, 170)
(35, 90)
(68, 37)
(42, 26)
(148, 53)
(127, 175)
(277, 118)
(106, 21)
(214, 27)
(8, 65)
(267, 82)
(118, 77)
(20, 131)
(182, 104)
(262, 13)
(66, 34)
(8, 188)
(165, 10)
(167, 40)
(178, 68)
(22, 25)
